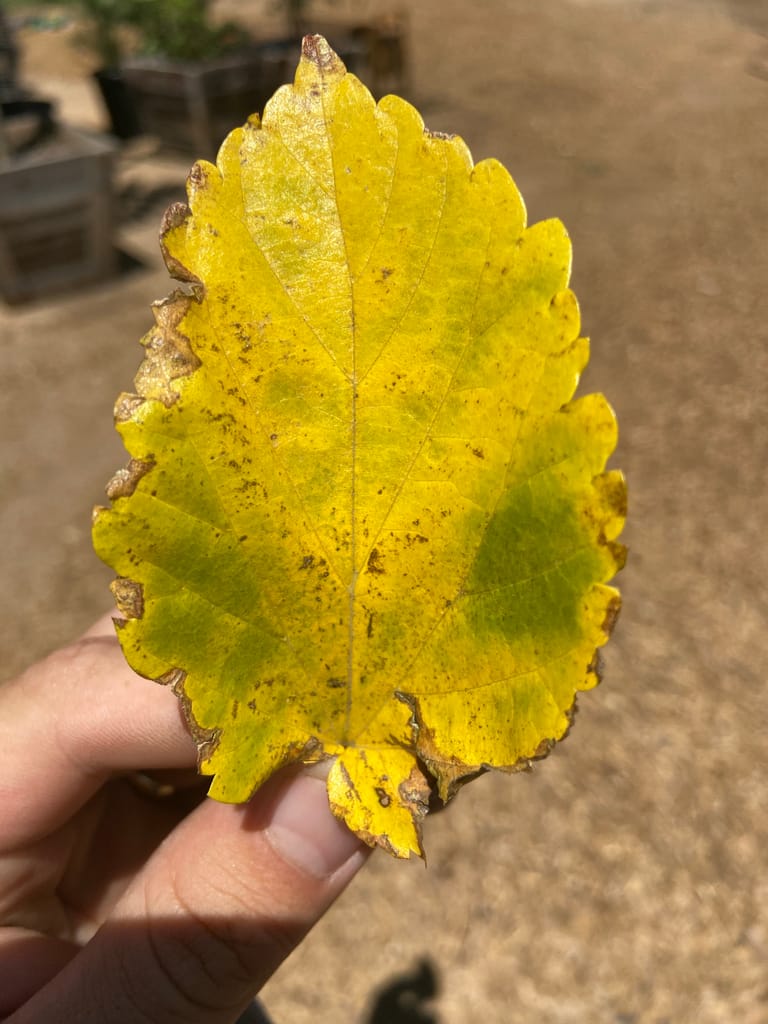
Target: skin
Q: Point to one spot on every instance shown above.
(122, 905)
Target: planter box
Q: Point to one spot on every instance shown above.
(56, 217)
(192, 106)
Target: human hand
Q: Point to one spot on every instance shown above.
(119, 906)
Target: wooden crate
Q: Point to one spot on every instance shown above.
(56, 217)
(192, 105)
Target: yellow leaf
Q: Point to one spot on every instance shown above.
(363, 518)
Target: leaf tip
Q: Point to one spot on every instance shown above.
(317, 55)
(315, 48)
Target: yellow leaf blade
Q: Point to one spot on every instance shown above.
(364, 520)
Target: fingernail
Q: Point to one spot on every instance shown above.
(305, 833)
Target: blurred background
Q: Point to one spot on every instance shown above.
(624, 880)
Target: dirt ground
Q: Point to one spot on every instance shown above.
(624, 881)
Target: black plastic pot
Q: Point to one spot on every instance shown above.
(118, 99)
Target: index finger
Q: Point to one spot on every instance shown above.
(70, 722)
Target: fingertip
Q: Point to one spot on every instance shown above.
(303, 831)
(104, 625)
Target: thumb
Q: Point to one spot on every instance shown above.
(217, 908)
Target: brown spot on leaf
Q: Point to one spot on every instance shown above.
(168, 353)
(175, 217)
(123, 483)
(383, 796)
(173, 677)
(374, 563)
(317, 50)
(449, 773)
(125, 406)
(611, 615)
(415, 538)
(595, 667)
(197, 177)
(619, 552)
(129, 597)
(415, 793)
(206, 740)
(446, 136)
(544, 748)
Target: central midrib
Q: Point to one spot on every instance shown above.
(352, 546)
